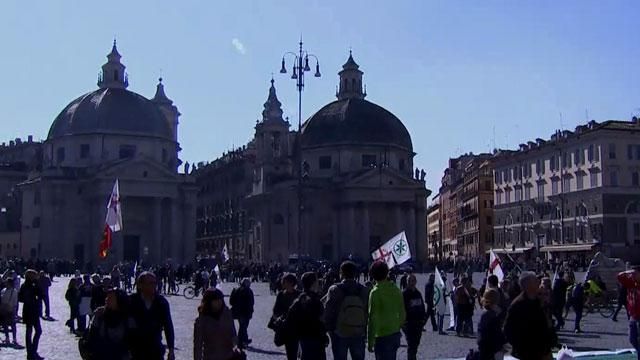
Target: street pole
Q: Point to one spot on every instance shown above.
(301, 65)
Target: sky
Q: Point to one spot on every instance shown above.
(463, 76)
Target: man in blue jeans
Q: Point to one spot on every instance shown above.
(345, 314)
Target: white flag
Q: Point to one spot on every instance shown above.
(494, 266)
(114, 213)
(225, 253)
(394, 252)
(439, 291)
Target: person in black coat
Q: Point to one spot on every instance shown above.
(72, 295)
(31, 297)
(428, 300)
(526, 326)
(149, 315)
(305, 320)
(284, 300)
(559, 298)
(491, 340)
(242, 302)
(622, 302)
(416, 317)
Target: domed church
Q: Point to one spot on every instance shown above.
(354, 187)
(107, 134)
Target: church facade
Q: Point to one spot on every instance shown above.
(339, 188)
(111, 133)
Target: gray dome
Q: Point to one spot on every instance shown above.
(111, 111)
(354, 121)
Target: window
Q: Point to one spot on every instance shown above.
(369, 160)
(60, 155)
(553, 163)
(324, 162)
(593, 180)
(527, 192)
(115, 75)
(507, 196)
(518, 194)
(36, 197)
(566, 160)
(635, 181)
(630, 152)
(164, 155)
(554, 187)
(504, 176)
(579, 181)
(637, 152)
(353, 85)
(541, 192)
(612, 151)
(613, 178)
(590, 153)
(566, 184)
(538, 170)
(127, 151)
(85, 149)
(597, 153)
(489, 220)
(498, 198)
(496, 176)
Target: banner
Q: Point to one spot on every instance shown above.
(394, 252)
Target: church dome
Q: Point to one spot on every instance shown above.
(111, 111)
(354, 120)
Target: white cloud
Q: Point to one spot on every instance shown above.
(239, 46)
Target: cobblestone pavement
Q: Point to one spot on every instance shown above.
(58, 344)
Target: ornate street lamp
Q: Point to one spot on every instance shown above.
(300, 67)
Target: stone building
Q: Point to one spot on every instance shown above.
(107, 134)
(354, 188)
(466, 206)
(17, 159)
(571, 195)
(434, 230)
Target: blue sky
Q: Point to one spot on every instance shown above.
(455, 72)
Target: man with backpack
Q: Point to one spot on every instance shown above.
(346, 314)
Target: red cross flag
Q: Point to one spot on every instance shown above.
(113, 221)
(394, 252)
(494, 266)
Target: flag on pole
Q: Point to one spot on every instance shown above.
(494, 266)
(113, 220)
(225, 253)
(439, 293)
(394, 252)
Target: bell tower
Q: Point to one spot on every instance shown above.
(113, 72)
(350, 81)
(169, 110)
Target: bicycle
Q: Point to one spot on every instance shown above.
(602, 304)
(190, 292)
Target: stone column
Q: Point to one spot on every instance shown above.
(421, 234)
(155, 244)
(410, 220)
(175, 222)
(363, 248)
(349, 242)
(335, 231)
(399, 223)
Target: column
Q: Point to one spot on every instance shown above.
(335, 230)
(363, 247)
(411, 231)
(348, 244)
(155, 243)
(175, 222)
(398, 220)
(421, 234)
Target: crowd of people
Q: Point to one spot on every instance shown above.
(347, 309)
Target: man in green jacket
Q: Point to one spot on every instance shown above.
(386, 314)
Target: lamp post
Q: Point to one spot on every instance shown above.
(300, 66)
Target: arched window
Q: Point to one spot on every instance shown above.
(346, 85)
(115, 75)
(353, 84)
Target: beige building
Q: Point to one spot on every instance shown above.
(573, 194)
(357, 189)
(434, 230)
(111, 133)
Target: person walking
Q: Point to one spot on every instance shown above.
(72, 295)
(559, 298)
(242, 301)
(491, 340)
(108, 334)
(284, 300)
(622, 302)
(31, 297)
(150, 315)
(464, 303)
(577, 302)
(84, 308)
(428, 299)
(8, 307)
(386, 314)
(526, 327)
(346, 315)
(305, 320)
(630, 280)
(416, 317)
(44, 282)
(214, 332)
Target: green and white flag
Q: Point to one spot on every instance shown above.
(439, 290)
(394, 252)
